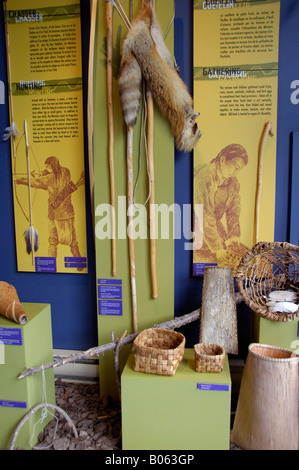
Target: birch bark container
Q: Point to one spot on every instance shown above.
(10, 306)
(267, 410)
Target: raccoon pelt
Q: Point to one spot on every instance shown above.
(145, 54)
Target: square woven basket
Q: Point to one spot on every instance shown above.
(209, 357)
(158, 351)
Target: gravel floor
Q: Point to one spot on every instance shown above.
(98, 422)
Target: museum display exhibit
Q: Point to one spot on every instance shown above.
(150, 230)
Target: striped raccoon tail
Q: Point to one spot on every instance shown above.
(129, 84)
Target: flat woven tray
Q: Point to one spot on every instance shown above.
(269, 267)
(158, 351)
(208, 357)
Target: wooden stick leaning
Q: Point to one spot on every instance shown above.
(150, 153)
(266, 131)
(131, 11)
(121, 13)
(116, 361)
(152, 225)
(10, 131)
(130, 200)
(90, 114)
(109, 32)
(130, 197)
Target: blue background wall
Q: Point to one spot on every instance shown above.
(73, 296)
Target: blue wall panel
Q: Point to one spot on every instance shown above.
(288, 113)
(294, 209)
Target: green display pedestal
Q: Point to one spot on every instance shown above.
(281, 334)
(25, 346)
(189, 410)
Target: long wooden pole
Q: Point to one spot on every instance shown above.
(90, 114)
(130, 202)
(12, 130)
(266, 131)
(151, 168)
(109, 32)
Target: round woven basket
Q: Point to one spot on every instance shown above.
(269, 267)
(208, 357)
(158, 351)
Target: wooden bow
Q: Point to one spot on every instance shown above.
(90, 114)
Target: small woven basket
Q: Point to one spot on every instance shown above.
(158, 351)
(265, 268)
(209, 357)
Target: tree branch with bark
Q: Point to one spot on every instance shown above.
(177, 322)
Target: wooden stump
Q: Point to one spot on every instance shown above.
(218, 323)
(267, 410)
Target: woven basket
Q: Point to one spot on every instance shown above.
(158, 351)
(209, 357)
(265, 268)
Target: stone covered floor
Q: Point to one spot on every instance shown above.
(97, 421)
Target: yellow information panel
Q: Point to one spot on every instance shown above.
(235, 90)
(46, 131)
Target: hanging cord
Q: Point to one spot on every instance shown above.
(117, 5)
(170, 24)
(45, 413)
(143, 131)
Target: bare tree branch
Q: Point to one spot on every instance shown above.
(118, 344)
(175, 323)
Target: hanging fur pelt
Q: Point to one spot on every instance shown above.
(145, 54)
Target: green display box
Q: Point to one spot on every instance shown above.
(189, 410)
(281, 334)
(22, 347)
